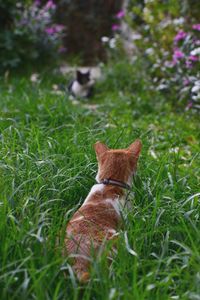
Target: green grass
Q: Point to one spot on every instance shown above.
(48, 166)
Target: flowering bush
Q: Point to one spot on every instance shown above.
(113, 43)
(31, 34)
(170, 46)
(186, 65)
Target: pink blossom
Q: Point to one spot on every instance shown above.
(193, 58)
(62, 49)
(115, 27)
(197, 42)
(188, 64)
(58, 28)
(50, 30)
(178, 54)
(180, 36)
(196, 27)
(50, 5)
(37, 2)
(186, 82)
(120, 14)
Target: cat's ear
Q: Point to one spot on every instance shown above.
(87, 74)
(135, 149)
(100, 148)
(78, 75)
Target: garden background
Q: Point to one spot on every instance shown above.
(148, 53)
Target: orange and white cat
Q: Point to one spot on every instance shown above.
(99, 217)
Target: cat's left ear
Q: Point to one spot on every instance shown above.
(100, 148)
(135, 149)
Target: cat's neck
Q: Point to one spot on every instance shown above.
(99, 192)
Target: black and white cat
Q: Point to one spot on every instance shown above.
(82, 86)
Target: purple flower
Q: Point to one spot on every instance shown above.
(37, 2)
(50, 5)
(115, 27)
(178, 54)
(196, 27)
(193, 58)
(50, 30)
(24, 22)
(186, 82)
(180, 36)
(54, 29)
(197, 42)
(188, 64)
(62, 49)
(58, 28)
(120, 14)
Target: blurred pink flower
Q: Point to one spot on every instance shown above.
(197, 42)
(177, 55)
(62, 49)
(180, 36)
(193, 58)
(115, 27)
(50, 5)
(54, 29)
(186, 81)
(188, 64)
(120, 14)
(37, 2)
(196, 27)
(59, 28)
(50, 30)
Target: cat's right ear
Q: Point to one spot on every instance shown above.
(100, 148)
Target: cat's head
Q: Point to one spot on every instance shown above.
(82, 77)
(118, 164)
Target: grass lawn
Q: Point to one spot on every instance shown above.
(48, 166)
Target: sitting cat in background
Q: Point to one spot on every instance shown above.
(82, 86)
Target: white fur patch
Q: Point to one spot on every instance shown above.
(97, 177)
(94, 189)
(79, 90)
(115, 204)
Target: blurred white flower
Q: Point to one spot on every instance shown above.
(149, 51)
(34, 77)
(196, 51)
(196, 98)
(166, 22)
(179, 21)
(161, 87)
(195, 89)
(136, 36)
(104, 39)
(112, 43)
